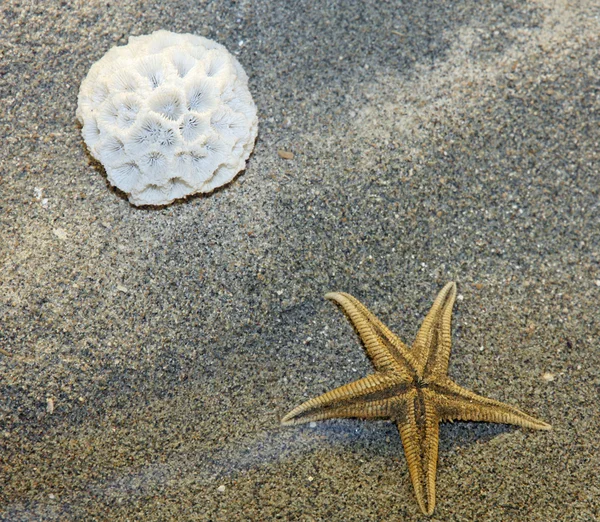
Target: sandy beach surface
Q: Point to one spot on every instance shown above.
(154, 351)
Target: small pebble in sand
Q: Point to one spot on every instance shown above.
(60, 233)
(548, 377)
(313, 424)
(285, 154)
(50, 405)
(530, 329)
(221, 488)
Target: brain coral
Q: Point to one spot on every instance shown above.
(168, 115)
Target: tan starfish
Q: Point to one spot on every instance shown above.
(410, 387)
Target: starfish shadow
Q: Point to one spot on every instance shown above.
(455, 435)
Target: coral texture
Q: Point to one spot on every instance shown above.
(168, 115)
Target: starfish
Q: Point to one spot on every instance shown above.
(410, 387)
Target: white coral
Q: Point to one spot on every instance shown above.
(168, 115)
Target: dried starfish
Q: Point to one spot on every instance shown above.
(410, 387)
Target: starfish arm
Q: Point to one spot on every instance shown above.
(456, 403)
(367, 398)
(386, 351)
(419, 432)
(432, 345)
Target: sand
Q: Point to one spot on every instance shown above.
(155, 350)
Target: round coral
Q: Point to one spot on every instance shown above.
(168, 115)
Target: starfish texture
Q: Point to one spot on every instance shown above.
(410, 387)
